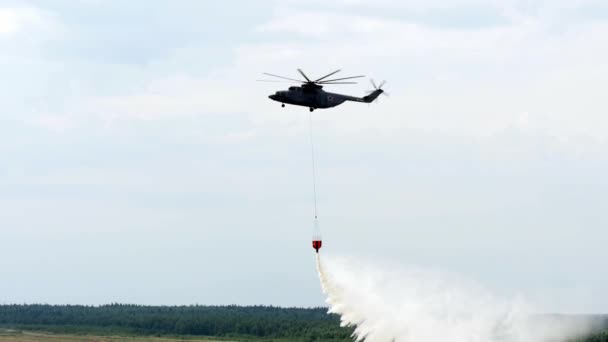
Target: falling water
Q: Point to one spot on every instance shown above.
(418, 305)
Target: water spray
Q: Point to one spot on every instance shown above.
(389, 303)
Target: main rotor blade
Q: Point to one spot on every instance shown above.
(276, 81)
(340, 79)
(381, 84)
(303, 74)
(338, 83)
(286, 78)
(326, 76)
(373, 83)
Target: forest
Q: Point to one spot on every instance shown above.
(234, 322)
(216, 321)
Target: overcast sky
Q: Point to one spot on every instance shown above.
(140, 162)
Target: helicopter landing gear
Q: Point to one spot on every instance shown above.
(311, 109)
(283, 105)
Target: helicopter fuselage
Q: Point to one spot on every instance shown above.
(315, 97)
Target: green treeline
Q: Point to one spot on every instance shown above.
(219, 321)
(236, 322)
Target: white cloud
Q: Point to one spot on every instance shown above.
(457, 80)
(14, 20)
(462, 81)
(397, 4)
(465, 82)
(58, 123)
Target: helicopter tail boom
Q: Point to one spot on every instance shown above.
(372, 96)
(366, 99)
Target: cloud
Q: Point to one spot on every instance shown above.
(464, 82)
(484, 78)
(58, 123)
(14, 20)
(467, 81)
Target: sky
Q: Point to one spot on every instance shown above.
(142, 163)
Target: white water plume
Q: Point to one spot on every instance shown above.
(426, 306)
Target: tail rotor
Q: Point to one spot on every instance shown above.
(377, 90)
(377, 87)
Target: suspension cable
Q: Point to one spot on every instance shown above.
(312, 154)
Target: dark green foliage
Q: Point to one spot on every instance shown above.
(235, 322)
(222, 321)
(597, 337)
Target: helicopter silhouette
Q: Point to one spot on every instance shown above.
(311, 94)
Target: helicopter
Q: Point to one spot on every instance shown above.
(311, 94)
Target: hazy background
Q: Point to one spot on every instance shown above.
(140, 162)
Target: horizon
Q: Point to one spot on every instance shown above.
(557, 314)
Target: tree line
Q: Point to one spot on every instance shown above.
(219, 321)
(231, 321)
